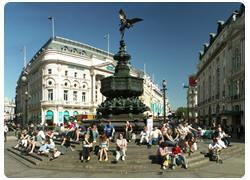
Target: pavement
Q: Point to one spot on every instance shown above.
(233, 167)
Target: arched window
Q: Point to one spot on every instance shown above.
(49, 115)
(75, 113)
(66, 115)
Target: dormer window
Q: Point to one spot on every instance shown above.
(74, 51)
(83, 52)
(65, 48)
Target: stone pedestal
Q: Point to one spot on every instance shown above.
(122, 90)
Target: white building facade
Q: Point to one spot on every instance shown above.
(9, 109)
(153, 96)
(63, 80)
(221, 74)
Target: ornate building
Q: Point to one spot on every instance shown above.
(152, 95)
(9, 109)
(192, 98)
(221, 73)
(63, 79)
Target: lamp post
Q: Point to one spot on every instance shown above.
(164, 84)
(25, 83)
(185, 86)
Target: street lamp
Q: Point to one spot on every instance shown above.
(164, 84)
(185, 86)
(25, 83)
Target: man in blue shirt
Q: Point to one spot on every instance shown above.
(109, 131)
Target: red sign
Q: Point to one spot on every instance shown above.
(192, 81)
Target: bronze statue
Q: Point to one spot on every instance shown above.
(126, 23)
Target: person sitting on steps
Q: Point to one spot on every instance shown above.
(104, 145)
(121, 147)
(177, 157)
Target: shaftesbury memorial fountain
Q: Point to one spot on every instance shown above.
(122, 90)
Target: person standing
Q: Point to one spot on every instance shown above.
(238, 130)
(128, 131)
(149, 120)
(6, 129)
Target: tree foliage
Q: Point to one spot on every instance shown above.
(181, 112)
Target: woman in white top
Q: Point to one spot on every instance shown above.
(149, 120)
(121, 146)
(144, 136)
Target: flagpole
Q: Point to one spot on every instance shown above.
(108, 45)
(53, 30)
(24, 56)
(145, 69)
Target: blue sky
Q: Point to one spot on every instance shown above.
(167, 41)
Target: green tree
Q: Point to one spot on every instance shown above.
(181, 112)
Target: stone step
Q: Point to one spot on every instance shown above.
(27, 158)
(138, 158)
(33, 155)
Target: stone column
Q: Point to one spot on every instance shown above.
(42, 116)
(93, 83)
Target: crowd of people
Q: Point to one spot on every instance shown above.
(174, 140)
(43, 138)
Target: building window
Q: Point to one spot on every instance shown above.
(74, 51)
(65, 48)
(84, 76)
(50, 83)
(83, 86)
(74, 95)
(83, 97)
(96, 93)
(65, 95)
(209, 87)
(75, 74)
(83, 52)
(65, 84)
(66, 73)
(75, 85)
(49, 71)
(218, 83)
(50, 94)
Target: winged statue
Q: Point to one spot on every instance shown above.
(126, 23)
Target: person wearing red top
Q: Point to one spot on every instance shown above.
(177, 157)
